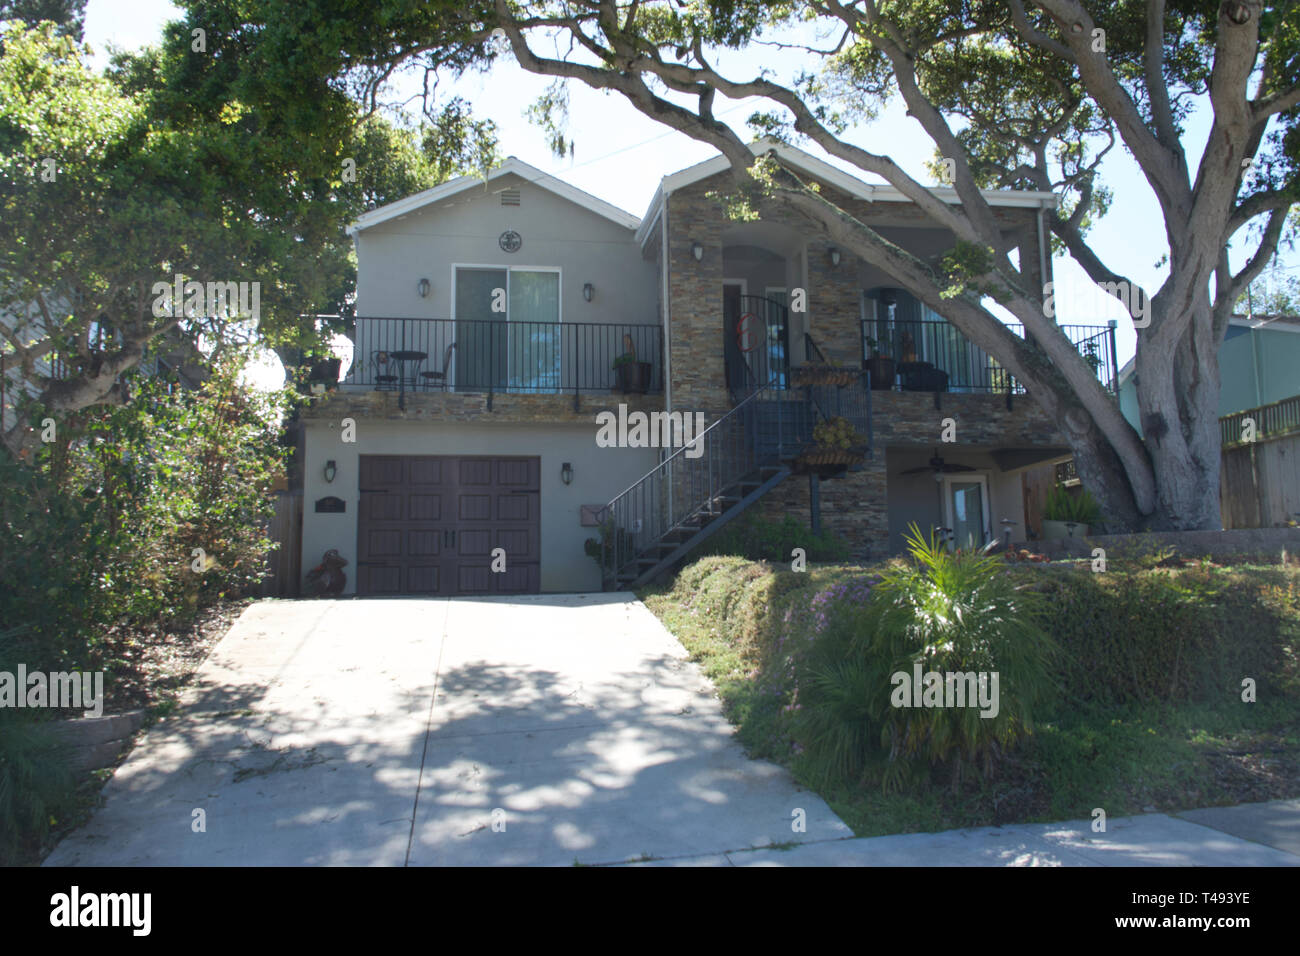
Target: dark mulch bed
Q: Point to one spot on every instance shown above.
(146, 668)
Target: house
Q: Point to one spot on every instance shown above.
(1259, 364)
(504, 323)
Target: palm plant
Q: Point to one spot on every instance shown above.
(951, 613)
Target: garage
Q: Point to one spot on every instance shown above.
(428, 524)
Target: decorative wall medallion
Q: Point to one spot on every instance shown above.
(510, 241)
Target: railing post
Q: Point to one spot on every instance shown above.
(1114, 357)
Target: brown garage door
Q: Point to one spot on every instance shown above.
(428, 524)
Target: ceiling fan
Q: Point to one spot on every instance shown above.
(937, 466)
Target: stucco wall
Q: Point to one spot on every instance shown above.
(599, 475)
(392, 257)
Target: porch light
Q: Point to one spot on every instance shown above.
(835, 256)
(588, 290)
(697, 251)
(331, 470)
(566, 473)
(423, 286)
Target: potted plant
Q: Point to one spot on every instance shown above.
(1069, 516)
(629, 374)
(881, 367)
(612, 539)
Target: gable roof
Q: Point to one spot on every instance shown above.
(517, 167)
(832, 176)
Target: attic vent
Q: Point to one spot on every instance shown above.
(510, 197)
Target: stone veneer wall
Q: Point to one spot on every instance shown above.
(856, 506)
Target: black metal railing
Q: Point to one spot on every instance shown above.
(931, 355)
(757, 343)
(688, 483)
(476, 355)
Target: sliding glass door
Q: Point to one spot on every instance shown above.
(507, 329)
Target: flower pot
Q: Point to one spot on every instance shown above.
(1060, 530)
(633, 377)
(881, 368)
(326, 371)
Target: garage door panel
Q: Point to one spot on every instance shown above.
(382, 471)
(519, 543)
(379, 579)
(474, 507)
(425, 470)
(422, 579)
(516, 507)
(474, 542)
(423, 544)
(381, 544)
(424, 507)
(381, 506)
(475, 472)
(518, 579)
(474, 578)
(518, 473)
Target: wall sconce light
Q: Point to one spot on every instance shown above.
(588, 290)
(835, 255)
(423, 286)
(331, 470)
(566, 473)
(697, 251)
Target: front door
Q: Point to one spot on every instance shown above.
(966, 503)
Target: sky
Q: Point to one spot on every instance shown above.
(621, 155)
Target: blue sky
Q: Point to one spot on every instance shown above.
(621, 155)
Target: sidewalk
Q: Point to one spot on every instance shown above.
(1254, 834)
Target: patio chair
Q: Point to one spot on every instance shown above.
(439, 379)
(381, 366)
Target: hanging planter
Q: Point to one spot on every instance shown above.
(824, 375)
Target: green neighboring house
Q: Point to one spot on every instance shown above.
(1259, 363)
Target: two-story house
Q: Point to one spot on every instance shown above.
(503, 323)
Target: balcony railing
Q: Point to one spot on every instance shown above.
(475, 355)
(931, 355)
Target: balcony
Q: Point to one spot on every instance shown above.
(506, 357)
(929, 355)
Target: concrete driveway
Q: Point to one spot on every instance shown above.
(537, 730)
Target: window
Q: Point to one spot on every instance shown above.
(518, 349)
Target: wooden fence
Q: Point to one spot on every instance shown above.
(1259, 481)
(284, 564)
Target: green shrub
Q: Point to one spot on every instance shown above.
(1063, 506)
(760, 539)
(35, 785)
(1165, 635)
(951, 613)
